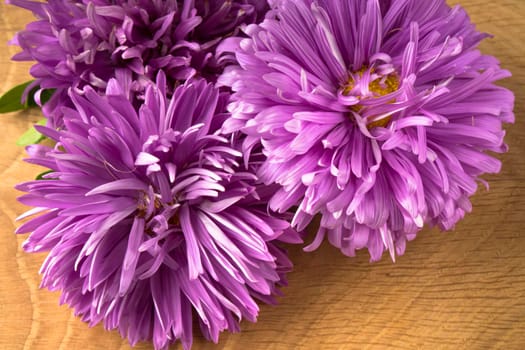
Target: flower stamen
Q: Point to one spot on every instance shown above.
(370, 86)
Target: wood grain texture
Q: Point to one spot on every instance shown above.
(459, 290)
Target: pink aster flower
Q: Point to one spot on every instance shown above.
(86, 42)
(150, 220)
(375, 114)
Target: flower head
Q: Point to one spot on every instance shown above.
(86, 42)
(149, 218)
(375, 114)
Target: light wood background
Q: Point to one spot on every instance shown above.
(458, 290)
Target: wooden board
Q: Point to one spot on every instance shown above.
(459, 290)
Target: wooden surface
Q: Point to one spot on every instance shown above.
(458, 290)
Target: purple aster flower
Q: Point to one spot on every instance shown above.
(84, 42)
(375, 114)
(149, 219)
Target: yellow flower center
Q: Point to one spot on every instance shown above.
(379, 87)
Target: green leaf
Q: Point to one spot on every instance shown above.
(41, 175)
(31, 136)
(45, 95)
(10, 101)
